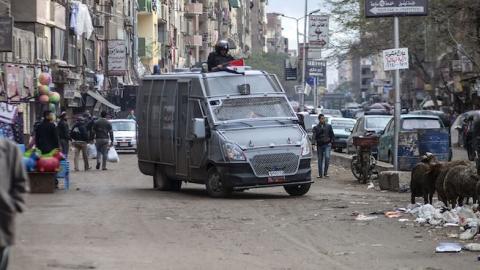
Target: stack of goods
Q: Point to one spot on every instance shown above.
(45, 96)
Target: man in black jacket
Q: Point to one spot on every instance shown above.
(46, 135)
(219, 59)
(324, 137)
(63, 133)
(80, 137)
(102, 129)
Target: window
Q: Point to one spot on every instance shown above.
(228, 85)
(90, 54)
(377, 123)
(58, 44)
(420, 123)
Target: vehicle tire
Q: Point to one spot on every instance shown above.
(297, 190)
(353, 167)
(176, 185)
(215, 186)
(160, 180)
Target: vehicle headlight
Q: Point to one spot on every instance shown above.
(233, 152)
(305, 144)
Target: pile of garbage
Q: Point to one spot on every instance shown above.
(465, 217)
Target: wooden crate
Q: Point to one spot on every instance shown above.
(42, 182)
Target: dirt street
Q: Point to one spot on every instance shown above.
(114, 220)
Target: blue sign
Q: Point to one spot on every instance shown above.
(311, 81)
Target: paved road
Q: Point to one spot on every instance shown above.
(113, 220)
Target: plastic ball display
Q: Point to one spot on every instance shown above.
(44, 90)
(44, 99)
(45, 78)
(49, 164)
(52, 107)
(54, 97)
(29, 164)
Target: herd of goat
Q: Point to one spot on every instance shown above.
(453, 181)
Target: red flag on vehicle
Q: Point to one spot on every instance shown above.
(237, 63)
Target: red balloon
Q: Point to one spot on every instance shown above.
(44, 99)
(49, 164)
(45, 78)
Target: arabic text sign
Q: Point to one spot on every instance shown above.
(117, 57)
(318, 31)
(395, 59)
(388, 8)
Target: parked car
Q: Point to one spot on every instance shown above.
(419, 134)
(367, 124)
(229, 131)
(340, 128)
(124, 134)
(443, 116)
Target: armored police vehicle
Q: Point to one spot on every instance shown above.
(228, 130)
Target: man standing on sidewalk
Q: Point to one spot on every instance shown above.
(103, 133)
(79, 135)
(46, 135)
(323, 136)
(64, 133)
(13, 182)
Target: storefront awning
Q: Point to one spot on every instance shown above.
(104, 101)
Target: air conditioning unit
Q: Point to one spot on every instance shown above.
(98, 22)
(128, 22)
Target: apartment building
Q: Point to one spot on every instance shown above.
(276, 42)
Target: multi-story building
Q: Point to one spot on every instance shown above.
(259, 26)
(275, 41)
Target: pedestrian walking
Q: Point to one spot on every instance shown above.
(131, 115)
(12, 189)
(46, 134)
(103, 133)
(80, 137)
(63, 133)
(324, 137)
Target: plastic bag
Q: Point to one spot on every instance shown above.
(113, 155)
(91, 151)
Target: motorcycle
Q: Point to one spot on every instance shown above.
(363, 162)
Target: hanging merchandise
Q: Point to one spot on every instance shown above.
(45, 78)
(83, 21)
(44, 90)
(11, 73)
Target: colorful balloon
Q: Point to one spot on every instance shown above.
(43, 99)
(44, 90)
(54, 97)
(45, 78)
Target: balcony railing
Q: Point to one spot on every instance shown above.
(193, 40)
(194, 9)
(144, 6)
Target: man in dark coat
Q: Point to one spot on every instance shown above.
(13, 182)
(103, 132)
(220, 58)
(323, 137)
(46, 137)
(64, 133)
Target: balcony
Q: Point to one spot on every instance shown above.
(193, 9)
(193, 40)
(162, 13)
(144, 7)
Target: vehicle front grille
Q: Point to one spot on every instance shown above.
(287, 163)
(123, 139)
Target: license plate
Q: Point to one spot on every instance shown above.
(276, 173)
(123, 144)
(274, 180)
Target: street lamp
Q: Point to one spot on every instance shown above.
(304, 44)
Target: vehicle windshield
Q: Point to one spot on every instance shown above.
(342, 124)
(228, 85)
(420, 123)
(251, 108)
(123, 126)
(376, 123)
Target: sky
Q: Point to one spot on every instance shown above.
(296, 9)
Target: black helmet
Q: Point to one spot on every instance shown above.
(221, 45)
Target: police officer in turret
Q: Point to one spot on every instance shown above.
(220, 57)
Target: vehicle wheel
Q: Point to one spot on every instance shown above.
(176, 185)
(160, 180)
(297, 190)
(354, 167)
(215, 186)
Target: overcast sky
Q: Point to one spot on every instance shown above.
(296, 9)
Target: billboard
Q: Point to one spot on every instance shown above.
(318, 31)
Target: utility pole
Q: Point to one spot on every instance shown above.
(304, 64)
(397, 96)
(107, 36)
(220, 19)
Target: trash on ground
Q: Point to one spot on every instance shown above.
(472, 247)
(448, 247)
(403, 220)
(452, 235)
(393, 214)
(371, 186)
(362, 217)
(363, 203)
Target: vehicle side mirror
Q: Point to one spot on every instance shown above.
(198, 128)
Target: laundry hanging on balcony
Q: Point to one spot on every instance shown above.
(80, 19)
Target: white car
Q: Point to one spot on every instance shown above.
(124, 134)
